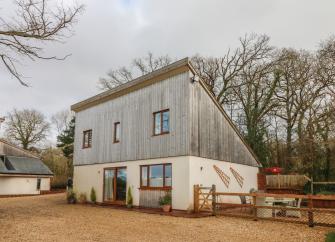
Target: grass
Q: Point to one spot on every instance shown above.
(330, 237)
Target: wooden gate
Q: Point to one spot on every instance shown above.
(204, 198)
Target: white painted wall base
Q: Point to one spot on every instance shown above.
(186, 171)
(22, 185)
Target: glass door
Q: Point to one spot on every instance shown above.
(115, 184)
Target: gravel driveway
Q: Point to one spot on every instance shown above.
(49, 218)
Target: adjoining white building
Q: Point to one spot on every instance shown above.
(21, 173)
(163, 131)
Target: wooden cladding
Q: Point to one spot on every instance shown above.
(87, 139)
(161, 122)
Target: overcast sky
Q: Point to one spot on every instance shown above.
(110, 33)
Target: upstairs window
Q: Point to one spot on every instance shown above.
(87, 139)
(161, 122)
(117, 132)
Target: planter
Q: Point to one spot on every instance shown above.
(129, 206)
(166, 208)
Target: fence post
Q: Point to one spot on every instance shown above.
(254, 206)
(214, 199)
(196, 198)
(310, 212)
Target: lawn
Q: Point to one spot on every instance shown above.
(49, 218)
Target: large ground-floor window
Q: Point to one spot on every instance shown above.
(156, 176)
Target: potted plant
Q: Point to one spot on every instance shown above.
(129, 198)
(82, 198)
(165, 202)
(93, 195)
(71, 196)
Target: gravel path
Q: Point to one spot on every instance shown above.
(49, 218)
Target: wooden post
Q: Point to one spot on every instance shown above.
(312, 186)
(310, 212)
(214, 199)
(254, 206)
(196, 198)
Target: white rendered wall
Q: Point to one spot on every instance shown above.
(22, 185)
(88, 176)
(207, 176)
(186, 172)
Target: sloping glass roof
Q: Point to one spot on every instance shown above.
(23, 165)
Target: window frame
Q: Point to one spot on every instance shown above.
(38, 185)
(161, 112)
(116, 124)
(148, 187)
(87, 132)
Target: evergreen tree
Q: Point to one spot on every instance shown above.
(65, 142)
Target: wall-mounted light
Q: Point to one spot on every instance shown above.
(201, 168)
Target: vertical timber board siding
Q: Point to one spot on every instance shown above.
(212, 135)
(135, 113)
(150, 198)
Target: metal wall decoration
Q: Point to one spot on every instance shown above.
(237, 176)
(224, 177)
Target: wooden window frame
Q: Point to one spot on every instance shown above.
(114, 201)
(154, 122)
(148, 187)
(115, 140)
(89, 137)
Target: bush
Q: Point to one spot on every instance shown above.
(82, 198)
(129, 198)
(93, 195)
(71, 196)
(165, 200)
(326, 193)
(58, 182)
(330, 237)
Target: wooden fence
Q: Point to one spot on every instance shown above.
(278, 207)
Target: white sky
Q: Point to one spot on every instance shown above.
(110, 33)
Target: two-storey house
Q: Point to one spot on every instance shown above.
(163, 131)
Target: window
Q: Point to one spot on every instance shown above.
(87, 138)
(38, 183)
(117, 132)
(156, 176)
(161, 122)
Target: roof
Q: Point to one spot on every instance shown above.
(14, 165)
(140, 82)
(26, 152)
(175, 68)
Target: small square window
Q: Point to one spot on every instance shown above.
(161, 122)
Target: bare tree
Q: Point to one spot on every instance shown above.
(27, 127)
(61, 119)
(139, 66)
(34, 25)
(220, 73)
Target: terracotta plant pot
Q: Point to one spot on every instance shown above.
(166, 208)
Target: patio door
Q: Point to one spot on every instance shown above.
(115, 184)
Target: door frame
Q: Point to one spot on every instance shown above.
(114, 201)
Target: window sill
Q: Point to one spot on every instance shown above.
(154, 135)
(156, 188)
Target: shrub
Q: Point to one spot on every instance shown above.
(330, 237)
(129, 198)
(326, 193)
(82, 198)
(165, 200)
(71, 196)
(93, 195)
